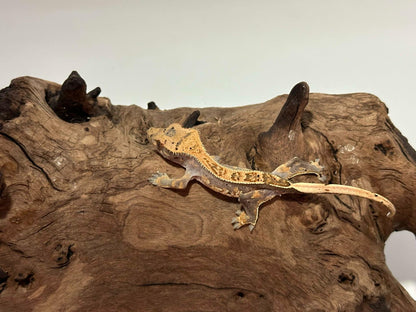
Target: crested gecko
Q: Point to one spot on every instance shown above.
(252, 187)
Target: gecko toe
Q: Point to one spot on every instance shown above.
(236, 223)
(236, 226)
(241, 220)
(154, 178)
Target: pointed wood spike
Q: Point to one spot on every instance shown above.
(74, 105)
(72, 99)
(94, 93)
(290, 116)
(192, 120)
(74, 88)
(152, 106)
(284, 140)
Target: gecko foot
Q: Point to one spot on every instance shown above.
(241, 220)
(156, 177)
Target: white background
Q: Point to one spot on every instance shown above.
(222, 53)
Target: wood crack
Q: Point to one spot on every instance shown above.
(36, 166)
(172, 284)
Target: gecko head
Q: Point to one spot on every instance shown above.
(175, 140)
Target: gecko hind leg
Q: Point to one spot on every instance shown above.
(251, 202)
(297, 166)
(163, 180)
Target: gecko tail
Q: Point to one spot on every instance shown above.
(319, 188)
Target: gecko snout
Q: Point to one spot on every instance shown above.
(151, 133)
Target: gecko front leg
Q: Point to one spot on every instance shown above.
(251, 202)
(163, 180)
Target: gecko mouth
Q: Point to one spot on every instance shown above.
(163, 150)
(155, 141)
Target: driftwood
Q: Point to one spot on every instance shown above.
(81, 229)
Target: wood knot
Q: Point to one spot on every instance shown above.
(315, 218)
(25, 279)
(62, 254)
(347, 279)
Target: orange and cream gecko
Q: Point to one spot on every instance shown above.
(252, 187)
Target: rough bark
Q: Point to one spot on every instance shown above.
(81, 229)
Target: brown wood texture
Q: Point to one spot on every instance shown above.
(81, 229)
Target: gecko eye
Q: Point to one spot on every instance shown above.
(171, 132)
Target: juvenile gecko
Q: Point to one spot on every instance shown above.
(252, 187)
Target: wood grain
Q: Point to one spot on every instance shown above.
(81, 229)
